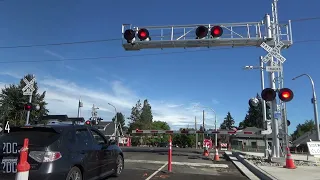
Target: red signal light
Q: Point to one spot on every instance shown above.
(129, 35)
(216, 31)
(28, 106)
(88, 122)
(143, 34)
(201, 32)
(285, 94)
(268, 94)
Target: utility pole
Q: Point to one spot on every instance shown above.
(195, 128)
(203, 123)
(80, 105)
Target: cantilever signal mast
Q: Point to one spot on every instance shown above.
(267, 33)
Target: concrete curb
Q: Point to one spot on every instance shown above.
(258, 172)
(244, 170)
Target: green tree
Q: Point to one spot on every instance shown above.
(120, 120)
(160, 125)
(134, 119)
(146, 116)
(307, 126)
(254, 116)
(228, 122)
(12, 103)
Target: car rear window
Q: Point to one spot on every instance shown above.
(38, 136)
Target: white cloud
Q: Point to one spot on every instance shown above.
(63, 96)
(54, 54)
(14, 75)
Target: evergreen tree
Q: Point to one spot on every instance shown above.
(134, 119)
(146, 116)
(307, 126)
(254, 117)
(12, 103)
(228, 122)
(120, 119)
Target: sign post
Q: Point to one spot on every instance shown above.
(27, 91)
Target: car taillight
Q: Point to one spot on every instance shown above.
(45, 156)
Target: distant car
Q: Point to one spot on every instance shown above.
(61, 151)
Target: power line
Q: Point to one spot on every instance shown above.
(109, 40)
(137, 55)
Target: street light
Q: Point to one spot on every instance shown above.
(116, 119)
(215, 125)
(314, 101)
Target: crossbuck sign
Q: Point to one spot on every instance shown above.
(28, 89)
(273, 52)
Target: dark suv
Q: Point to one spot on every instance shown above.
(61, 151)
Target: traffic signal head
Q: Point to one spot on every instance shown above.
(143, 35)
(28, 106)
(88, 122)
(201, 32)
(268, 94)
(129, 35)
(285, 94)
(216, 31)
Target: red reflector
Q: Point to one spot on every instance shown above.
(246, 132)
(154, 131)
(143, 34)
(139, 131)
(200, 132)
(216, 31)
(169, 132)
(231, 132)
(286, 95)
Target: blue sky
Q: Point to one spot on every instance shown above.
(173, 83)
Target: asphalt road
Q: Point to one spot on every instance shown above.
(187, 165)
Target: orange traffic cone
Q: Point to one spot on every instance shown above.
(216, 156)
(206, 152)
(289, 161)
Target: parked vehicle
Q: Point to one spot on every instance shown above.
(59, 151)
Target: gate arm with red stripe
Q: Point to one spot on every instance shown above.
(192, 132)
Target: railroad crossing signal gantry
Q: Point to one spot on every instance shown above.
(202, 35)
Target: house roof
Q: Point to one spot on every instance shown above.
(305, 138)
(106, 127)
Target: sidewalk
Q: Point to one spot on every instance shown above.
(302, 172)
(281, 173)
(299, 157)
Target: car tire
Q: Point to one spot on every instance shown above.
(74, 174)
(118, 166)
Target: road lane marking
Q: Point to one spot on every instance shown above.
(178, 163)
(153, 174)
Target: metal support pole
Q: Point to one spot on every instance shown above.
(203, 123)
(264, 109)
(195, 128)
(28, 113)
(275, 128)
(315, 104)
(215, 128)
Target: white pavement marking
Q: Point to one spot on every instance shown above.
(178, 163)
(153, 174)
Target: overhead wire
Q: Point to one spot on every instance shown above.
(111, 39)
(137, 55)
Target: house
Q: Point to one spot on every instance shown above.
(108, 128)
(300, 144)
(251, 142)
